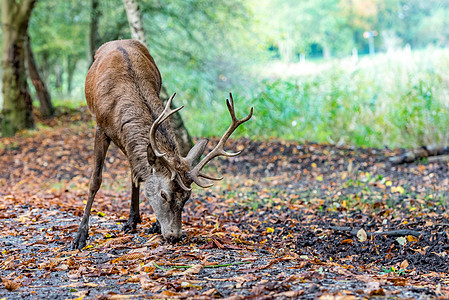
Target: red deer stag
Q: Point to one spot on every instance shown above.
(122, 91)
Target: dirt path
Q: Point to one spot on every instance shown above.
(289, 220)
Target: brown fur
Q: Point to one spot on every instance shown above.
(122, 91)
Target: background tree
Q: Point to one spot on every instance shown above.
(95, 40)
(17, 104)
(46, 107)
(135, 20)
(61, 46)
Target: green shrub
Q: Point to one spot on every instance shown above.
(387, 100)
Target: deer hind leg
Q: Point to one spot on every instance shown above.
(134, 214)
(100, 148)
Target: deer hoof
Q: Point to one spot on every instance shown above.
(80, 240)
(155, 228)
(129, 227)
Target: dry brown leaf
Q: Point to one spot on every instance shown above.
(165, 294)
(148, 268)
(117, 241)
(336, 297)
(121, 297)
(128, 256)
(11, 285)
(421, 250)
(146, 283)
(210, 292)
(290, 294)
(404, 265)
(195, 269)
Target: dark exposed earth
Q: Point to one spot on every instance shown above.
(290, 220)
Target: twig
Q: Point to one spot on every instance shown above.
(433, 153)
(439, 158)
(209, 266)
(399, 232)
(160, 268)
(227, 265)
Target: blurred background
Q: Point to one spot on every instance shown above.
(360, 72)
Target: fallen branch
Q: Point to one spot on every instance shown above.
(434, 154)
(439, 158)
(208, 266)
(399, 232)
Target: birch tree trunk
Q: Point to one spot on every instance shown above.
(17, 104)
(135, 20)
(138, 33)
(46, 107)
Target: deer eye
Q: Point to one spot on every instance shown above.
(164, 195)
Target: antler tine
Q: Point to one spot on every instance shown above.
(181, 183)
(201, 174)
(166, 113)
(195, 173)
(203, 185)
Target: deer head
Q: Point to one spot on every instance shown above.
(169, 186)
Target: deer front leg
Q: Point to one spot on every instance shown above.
(100, 148)
(134, 214)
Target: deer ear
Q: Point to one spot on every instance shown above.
(194, 154)
(151, 156)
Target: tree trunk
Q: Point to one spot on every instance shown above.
(138, 33)
(71, 66)
(45, 67)
(58, 77)
(94, 37)
(46, 107)
(135, 20)
(17, 103)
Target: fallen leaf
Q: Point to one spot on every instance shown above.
(11, 285)
(195, 269)
(129, 256)
(401, 240)
(404, 265)
(361, 235)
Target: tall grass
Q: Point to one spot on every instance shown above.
(398, 100)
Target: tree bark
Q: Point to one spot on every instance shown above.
(137, 32)
(17, 104)
(135, 20)
(94, 37)
(71, 66)
(46, 107)
(58, 77)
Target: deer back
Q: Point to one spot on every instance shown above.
(122, 91)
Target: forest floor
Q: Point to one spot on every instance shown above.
(289, 220)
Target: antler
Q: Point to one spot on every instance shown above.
(195, 174)
(164, 115)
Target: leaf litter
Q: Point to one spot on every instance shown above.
(290, 220)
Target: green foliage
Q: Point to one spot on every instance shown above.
(206, 48)
(400, 272)
(392, 100)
